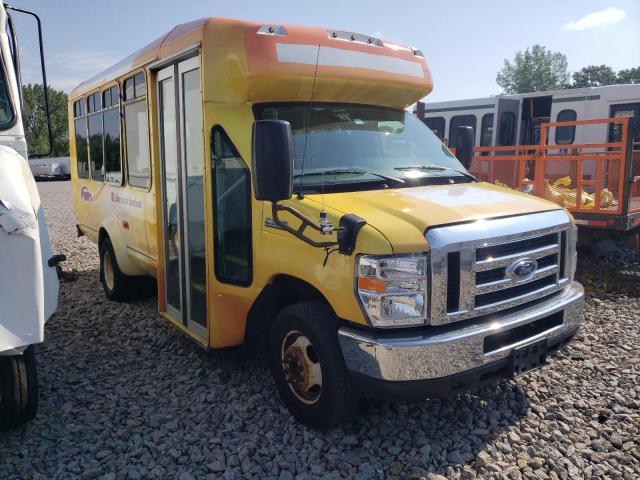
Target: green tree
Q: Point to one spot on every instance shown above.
(534, 70)
(35, 120)
(594, 76)
(629, 75)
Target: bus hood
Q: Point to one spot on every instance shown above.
(402, 215)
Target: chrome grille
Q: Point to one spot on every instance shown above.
(472, 264)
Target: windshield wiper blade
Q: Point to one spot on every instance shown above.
(436, 168)
(349, 171)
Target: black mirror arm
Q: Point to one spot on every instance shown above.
(44, 77)
(299, 232)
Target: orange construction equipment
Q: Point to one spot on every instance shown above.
(598, 182)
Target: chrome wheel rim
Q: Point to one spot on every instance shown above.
(301, 367)
(109, 277)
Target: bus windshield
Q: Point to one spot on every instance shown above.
(354, 147)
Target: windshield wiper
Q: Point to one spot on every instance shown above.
(349, 171)
(436, 168)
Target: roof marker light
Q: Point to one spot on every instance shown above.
(354, 37)
(417, 52)
(272, 30)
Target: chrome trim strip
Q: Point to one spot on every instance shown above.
(505, 261)
(410, 355)
(514, 301)
(507, 282)
(144, 254)
(89, 227)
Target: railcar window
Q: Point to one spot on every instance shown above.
(436, 124)
(111, 129)
(136, 124)
(232, 212)
(566, 135)
(486, 130)
(461, 121)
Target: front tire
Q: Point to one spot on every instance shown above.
(18, 388)
(307, 365)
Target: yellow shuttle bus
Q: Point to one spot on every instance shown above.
(271, 180)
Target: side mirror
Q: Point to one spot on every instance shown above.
(272, 160)
(464, 146)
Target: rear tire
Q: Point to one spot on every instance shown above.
(307, 365)
(18, 389)
(116, 284)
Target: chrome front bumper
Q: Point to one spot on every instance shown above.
(437, 352)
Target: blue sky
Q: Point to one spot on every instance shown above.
(465, 42)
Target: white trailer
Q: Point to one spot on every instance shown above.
(518, 117)
(52, 168)
(28, 277)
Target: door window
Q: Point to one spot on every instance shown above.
(182, 177)
(169, 152)
(194, 192)
(232, 212)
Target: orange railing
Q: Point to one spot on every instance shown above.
(634, 192)
(586, 178)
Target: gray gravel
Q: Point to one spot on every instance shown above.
(123, 395)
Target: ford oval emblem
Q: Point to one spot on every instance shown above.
(522, 269)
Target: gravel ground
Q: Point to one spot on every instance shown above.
(123, 395)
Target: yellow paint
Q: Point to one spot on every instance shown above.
(238, 69)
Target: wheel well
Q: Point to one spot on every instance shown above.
(283, 291)
(102, 234)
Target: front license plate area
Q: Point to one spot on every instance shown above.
(529, 357)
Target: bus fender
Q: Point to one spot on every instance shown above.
(111, 228)
(284, 290)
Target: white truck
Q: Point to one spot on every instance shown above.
(53, 168)
(28, 277)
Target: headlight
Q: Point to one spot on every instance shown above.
(392, 289)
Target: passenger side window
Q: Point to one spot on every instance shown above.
(461, 121)
(566, 135)
(436, 124)
(80, 131)
(94, 121)
(231, 212)
(486, 130)
(111, 128)
(136, 124)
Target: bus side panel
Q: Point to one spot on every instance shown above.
(131, 213)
